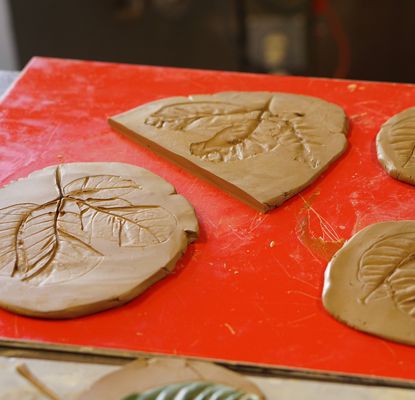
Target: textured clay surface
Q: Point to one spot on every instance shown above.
(144, 375)
(260, 147)
(79, 238)
(370, 282)
(396, 146)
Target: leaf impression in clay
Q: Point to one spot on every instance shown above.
(87, 221)
(370, 282)
(261, 147)
(396, 146)
(42, 236)
(243, 133)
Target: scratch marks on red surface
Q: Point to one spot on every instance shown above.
(301, 293)
(389, 349)
(257, 221)
(394, 208)
(51, 135)
(299, 320)
(370, 106)
(14, 158)
(16, 331)
(316, 233)
(229, 328)
(247, 232)
(369, 113)
(293, 277)
(237, 233)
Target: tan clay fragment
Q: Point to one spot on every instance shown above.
(260, 147)
(396, 146)
(143, 375)
(79, 238)
(370, 282)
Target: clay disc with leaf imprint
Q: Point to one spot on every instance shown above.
(395, 144)
(79, 238)
(173, 379)
(370, 282)
(260, 147)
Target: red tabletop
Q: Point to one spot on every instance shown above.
(249, 289)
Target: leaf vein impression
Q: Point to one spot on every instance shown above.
(241, 134)
(57, 227)
(120, 217)
(404, 248)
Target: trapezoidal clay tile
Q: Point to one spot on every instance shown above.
(260, 147)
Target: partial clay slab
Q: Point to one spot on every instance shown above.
(79, 238)
(260, 147)
(172, 378)
(395, 145)
(370, 282)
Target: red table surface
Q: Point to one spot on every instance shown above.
(250, 288)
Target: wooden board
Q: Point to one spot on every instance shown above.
(249, 289)
(69, 378)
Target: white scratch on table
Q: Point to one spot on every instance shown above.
(230, 328)
(292, 277)
(388, 348)
(16, 330)
(303, 294)
(305, 318)
(256, 222)
(327, 229)
(52, 134)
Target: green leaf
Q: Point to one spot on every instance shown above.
(193, 391)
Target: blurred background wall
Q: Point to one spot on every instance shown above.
(8, 55)
(358, 39)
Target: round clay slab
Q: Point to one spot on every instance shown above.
(396, 146)
(79, 238)
(370, 282)
(143, 375)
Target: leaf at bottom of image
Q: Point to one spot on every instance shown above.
(193, 391)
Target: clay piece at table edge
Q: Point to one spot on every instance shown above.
(369, 284)
(141, 376)
(79, 238)
(260, 147)
(395, 145)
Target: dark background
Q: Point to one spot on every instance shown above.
(358, 39)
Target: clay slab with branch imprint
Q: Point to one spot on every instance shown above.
(69, 232)
(260, 147)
